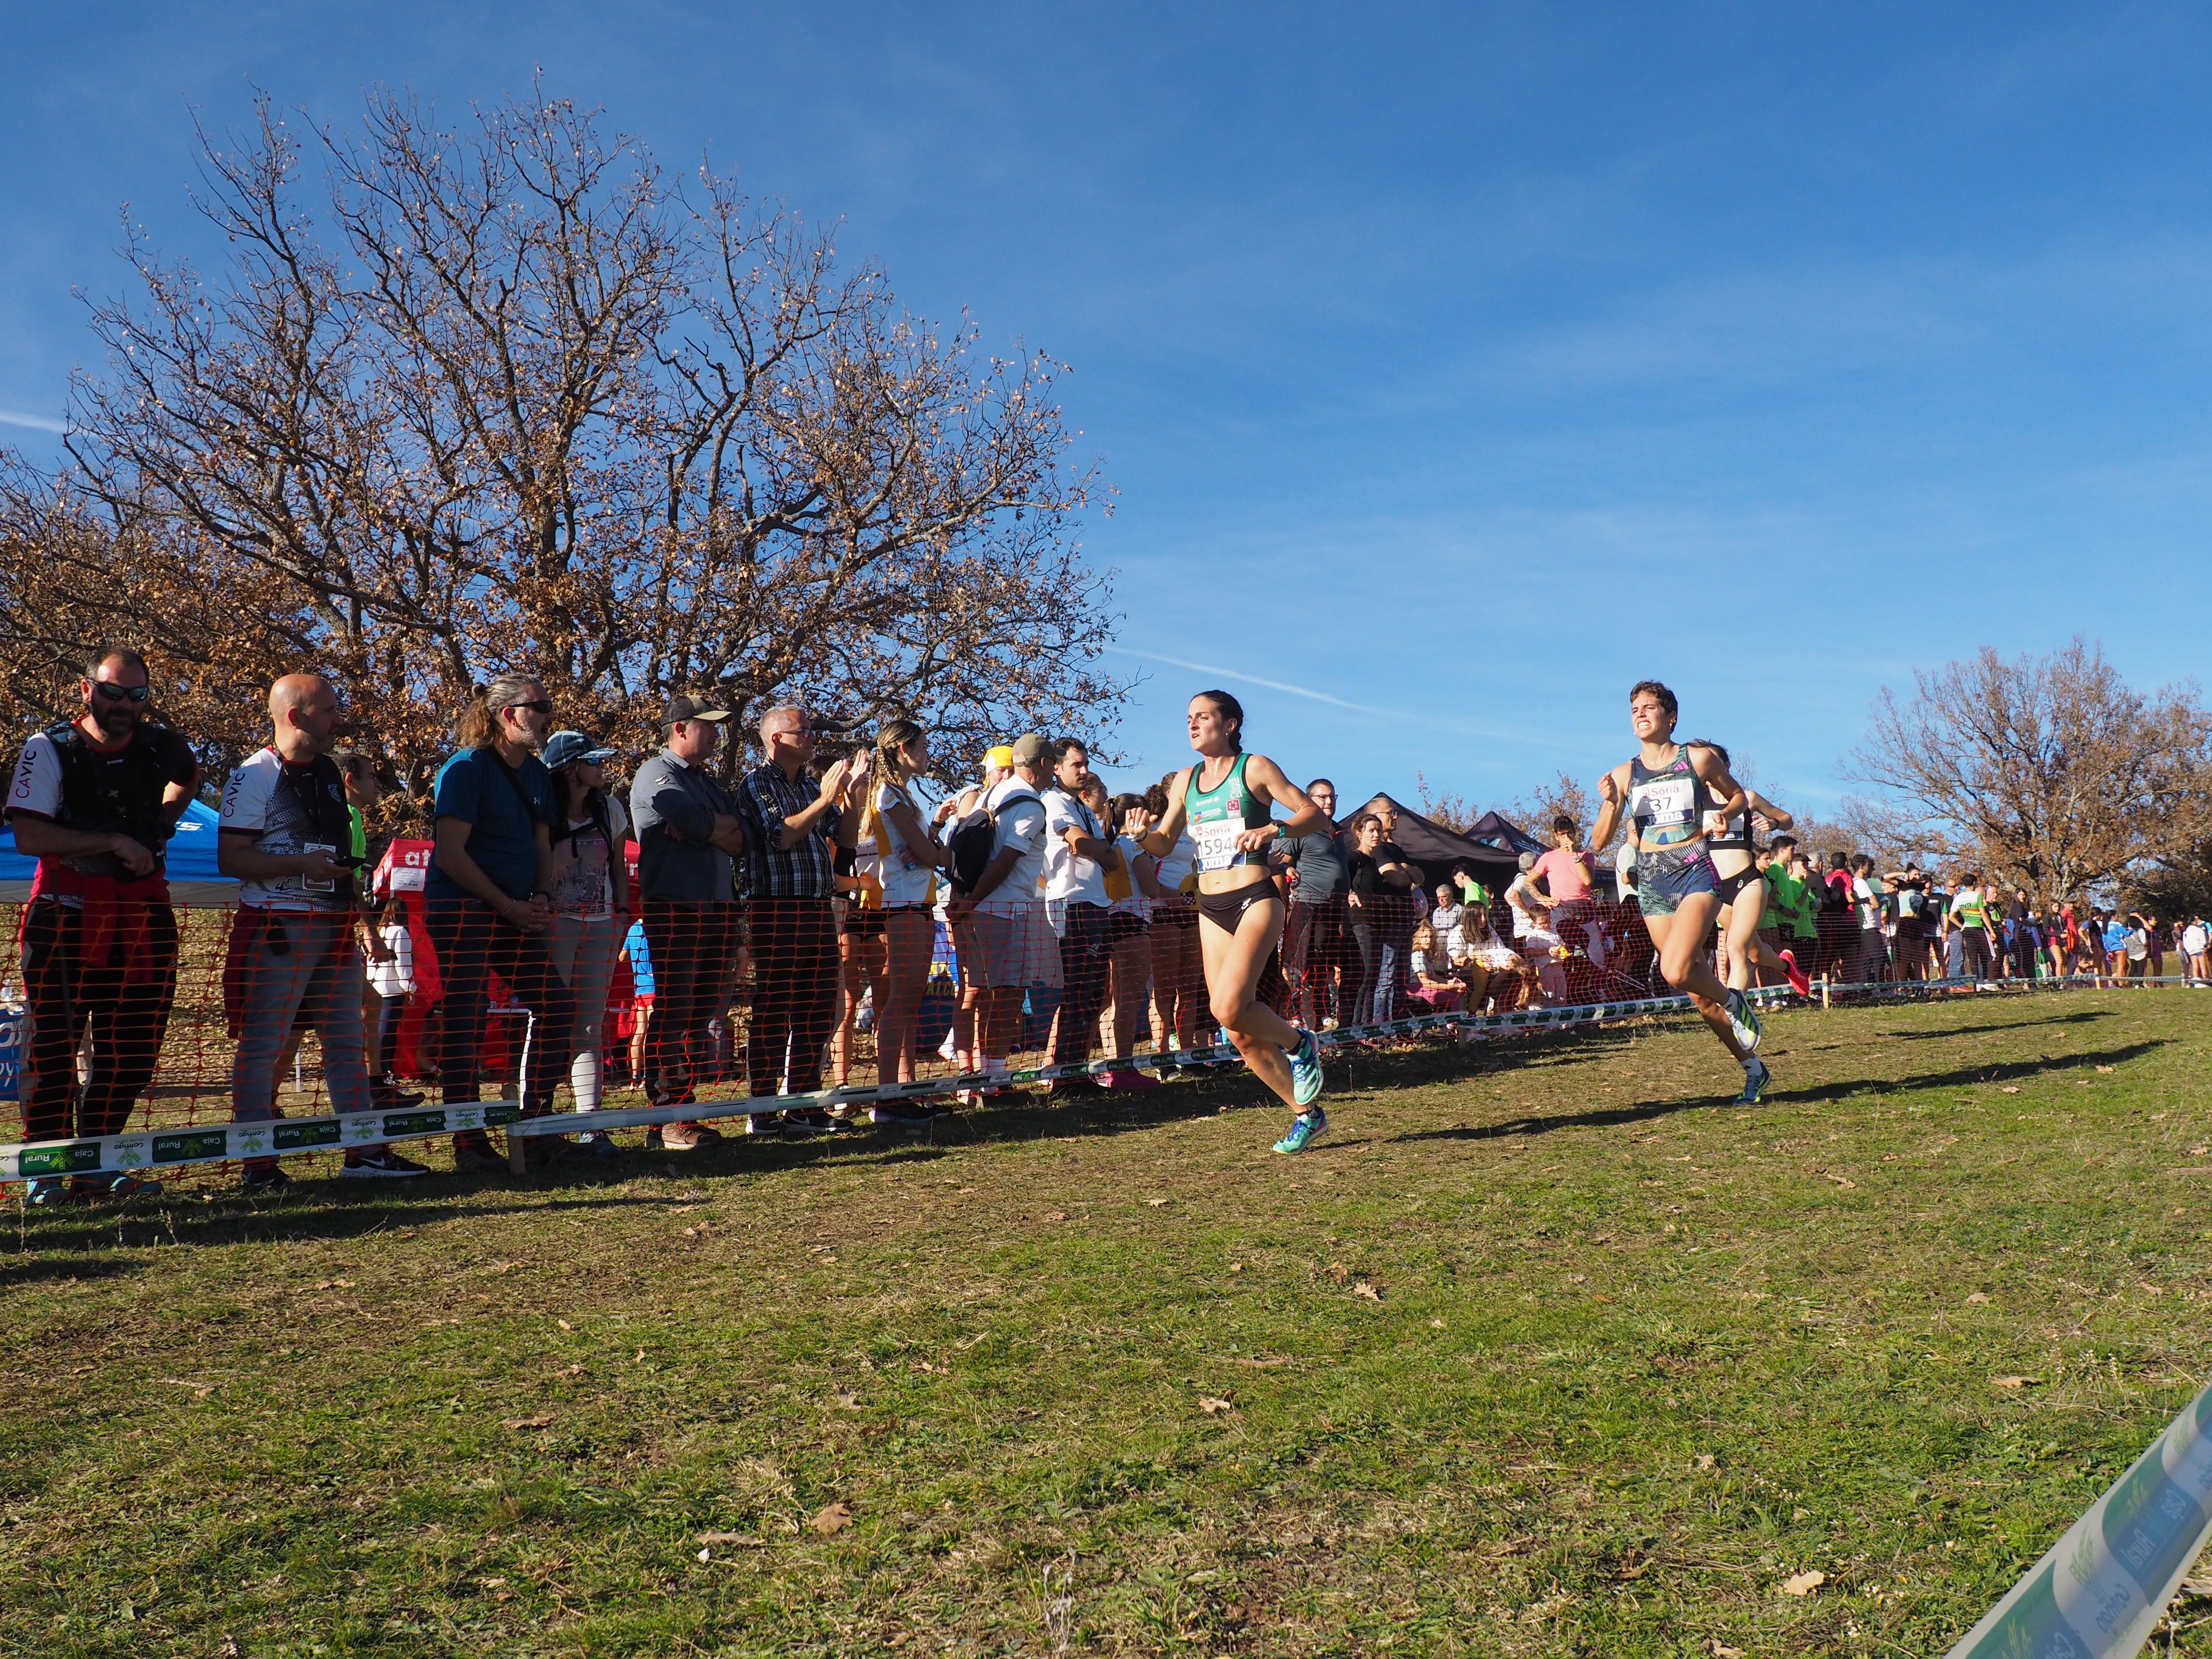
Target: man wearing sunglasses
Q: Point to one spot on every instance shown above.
(95, 800)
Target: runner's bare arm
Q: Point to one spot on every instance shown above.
(1164, 834)
(1775, 817)
(1268, 782)
(1612, 790)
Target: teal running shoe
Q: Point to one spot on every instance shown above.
(1756, 1077)
(1743, 1022)
(1305, 1068)
(1303, 1127)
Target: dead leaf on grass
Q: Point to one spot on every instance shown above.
(572, 1370)
(1364, 1289)
(564, 1324)
(1055, 1215)
(2108, 1069)
(1436, 1324)
(2016, 1382)
(1723, 1650)
(1157, 1203)
(539, 1422)
(1704, 1460)
(1805, 1583)
(2010, 1088)
(1210, 1404)
(728, 1538)
(848, 1400)
(1339, 1271)
(834, 1518)
(1236, 1267)
(334, 1285)
(1977, 1297)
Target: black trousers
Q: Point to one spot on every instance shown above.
(473, 944)
(692, 943)
(112, 981)
(1085, 956)
(794, 993)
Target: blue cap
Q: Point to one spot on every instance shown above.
(567, 748)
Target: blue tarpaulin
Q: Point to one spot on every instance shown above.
(193, 878)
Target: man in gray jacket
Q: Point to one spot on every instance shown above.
(688, 837)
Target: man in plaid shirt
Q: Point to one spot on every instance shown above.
(790, 826)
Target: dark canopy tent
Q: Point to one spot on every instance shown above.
(1504, 835)
(1440, 851)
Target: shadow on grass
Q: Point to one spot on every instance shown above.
(1645, 1111)
(49, 1269)
(313, 1209)
(2083, 1018)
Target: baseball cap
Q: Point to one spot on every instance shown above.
(567, 748)
(1029, 748)
(692, 708)
(1000, 755)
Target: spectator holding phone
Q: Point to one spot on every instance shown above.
(287, 837)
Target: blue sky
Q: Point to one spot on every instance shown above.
(1455, 366)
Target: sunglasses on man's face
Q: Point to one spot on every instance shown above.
(542, 706)
(115, 693)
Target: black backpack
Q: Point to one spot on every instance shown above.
(972, 844)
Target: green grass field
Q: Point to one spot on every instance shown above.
(1546, 1349)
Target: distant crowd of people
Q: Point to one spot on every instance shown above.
(1036, 906)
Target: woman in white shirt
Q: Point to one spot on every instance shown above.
(1130, 891)
(1179, 1000)
(590, 894)
(896, 857)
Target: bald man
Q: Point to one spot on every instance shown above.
(287, 837)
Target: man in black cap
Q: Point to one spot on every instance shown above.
(688, 837)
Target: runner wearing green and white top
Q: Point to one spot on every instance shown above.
(1227, 801)
(1675, 795)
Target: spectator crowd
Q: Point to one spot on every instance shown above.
(711, 924)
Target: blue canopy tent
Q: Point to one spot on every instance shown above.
(193, 878)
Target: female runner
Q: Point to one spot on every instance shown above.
(1226, 800)
(1743, 886)
(1669, 789)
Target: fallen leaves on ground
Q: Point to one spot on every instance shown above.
(1704, 1460)
(1055, 1215)
(2016, 1382)
(1339, 1271)
(2010, 1088)
(1805, 1583)
(334, 1285)
(540, 1421)
(1210, 1404)
(1363, 1288)
(1722, 1651)
(1157, 1203)
(1977, 1295)
(728, 1538)
(834, 1518)
(2108, 1069)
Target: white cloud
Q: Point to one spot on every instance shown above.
(37, 422)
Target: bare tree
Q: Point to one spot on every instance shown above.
(1563, 797)
(2050, 771)
(500, 395)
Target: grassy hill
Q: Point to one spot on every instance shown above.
(1545, 1349)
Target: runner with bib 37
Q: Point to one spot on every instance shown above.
(1674, 792)
(1227, 801)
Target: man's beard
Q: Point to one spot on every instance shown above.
(115, 724)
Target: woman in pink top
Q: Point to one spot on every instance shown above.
(1565, 872)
